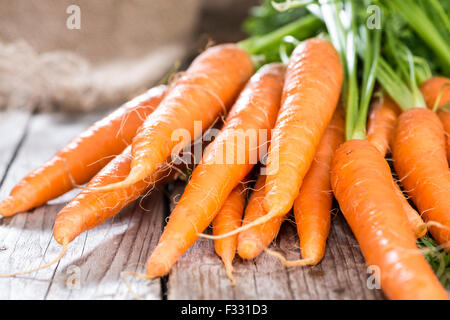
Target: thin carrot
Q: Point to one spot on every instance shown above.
(213, 179)
(229, 218)
(380, 129)
(89, 209)
(83, 157)
(421, 163)
(437, 90)
(313, 84)
(362, 183)
(312, 208)
(252, 242)
(200, 95)
(381, 123)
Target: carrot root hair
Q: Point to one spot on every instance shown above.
(250, 225)
(229, 271)
(290, 263)
(123, 274)
(45, 266)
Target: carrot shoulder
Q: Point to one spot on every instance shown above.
(362, 183)
(217, 175)
(204, 92)
(84, 156)
(89, 209)
(228, 219)
(421, 163)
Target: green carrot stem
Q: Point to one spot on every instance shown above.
(300, 29)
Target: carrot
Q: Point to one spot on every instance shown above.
(437, 90)
(421, 163)
(380, 129)
(381, 123)
(229, 218)
(252, 242)
(89, 209)
(312, 86)
(83, 157)
(362, 183)
(205, 90)
(213, 179)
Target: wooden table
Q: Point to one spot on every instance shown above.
(91, 269)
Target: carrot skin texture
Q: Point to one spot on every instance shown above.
(312, 87)
(84, 156)
(380, 129)
(228, 219)
(213, 179)
(421, 163)
(206, 90)
(312, 208)
(252, 242)
(431, 90)
(89, 209)
(381, 123)
(362, 183)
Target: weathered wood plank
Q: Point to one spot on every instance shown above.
(13, 126)
(199, 274)
(96, 258)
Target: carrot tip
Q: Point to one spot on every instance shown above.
(229, 272)
(8, 207)
(290, 263)
(248, 249)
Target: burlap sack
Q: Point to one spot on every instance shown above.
(121, 48)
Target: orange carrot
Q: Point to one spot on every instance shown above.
(312, 208)
(362, 183)
(214, 179)
(83, 157)
(380, 129)
(89, 209)
(229, 218)
(312, 87)
(421, 163)
(252, 242)
(382, 120)
(437, 89)
(201, 94)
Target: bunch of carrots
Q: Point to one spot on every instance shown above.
(341, 98)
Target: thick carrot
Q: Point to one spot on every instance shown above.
(252, 242)
(432, 90)
(84, 156)
(89, 209)
(213, 179)
(312, 87)
(381, 123)
(200, 95)
(380, 130)
(228, 219)
(362, 183)
(421, 163)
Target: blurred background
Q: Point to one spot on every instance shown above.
(80, 55)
